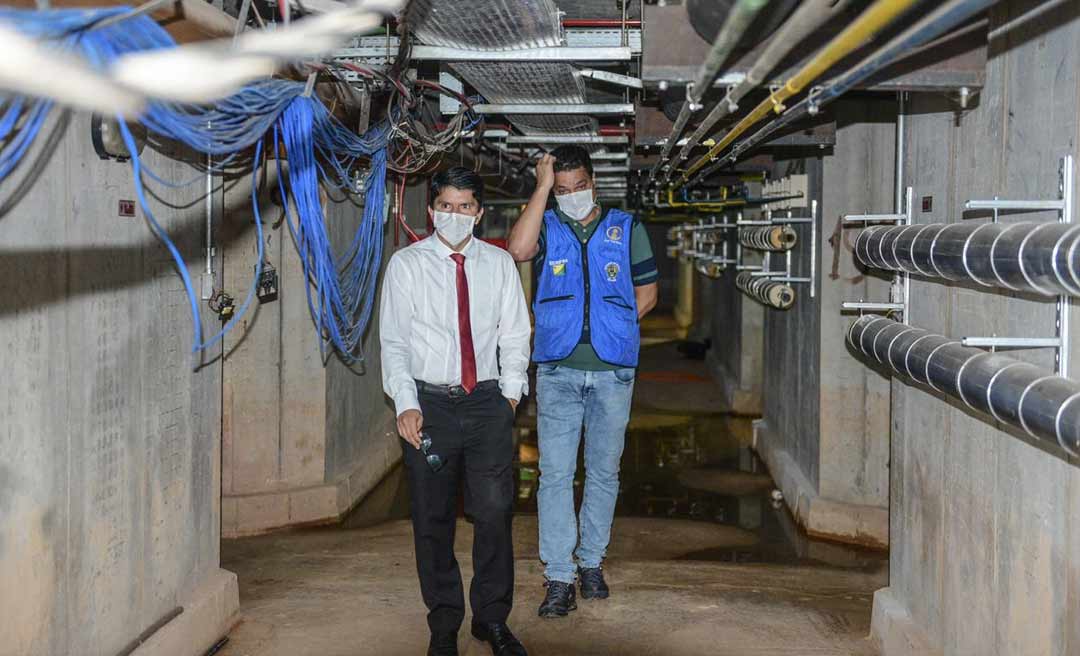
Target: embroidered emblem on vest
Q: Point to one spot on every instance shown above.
(558, 268)
(614, 234)
(612, 270)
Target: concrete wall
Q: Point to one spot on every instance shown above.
(303, 442)
(824, 431)
(109, 452)
(986, 538)
(736, 325)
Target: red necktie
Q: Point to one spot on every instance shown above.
(468, 358)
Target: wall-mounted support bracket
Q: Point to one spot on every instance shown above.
(1063, 206)
(900, 292)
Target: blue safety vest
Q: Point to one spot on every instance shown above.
(595, 275)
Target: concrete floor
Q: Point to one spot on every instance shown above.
(679, 586)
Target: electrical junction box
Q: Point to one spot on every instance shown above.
(790, 191)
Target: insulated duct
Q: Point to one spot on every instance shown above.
(1044, 405)
(774, 294)
(485, 24)
(1037, 257)
(768, 238)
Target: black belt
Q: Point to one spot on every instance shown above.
(453, 391)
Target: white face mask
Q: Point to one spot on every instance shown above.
(577, 205)
(454, 228)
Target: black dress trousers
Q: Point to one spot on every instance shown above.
(472, 434)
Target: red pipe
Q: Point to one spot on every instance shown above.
(615, 130)
(599, 22)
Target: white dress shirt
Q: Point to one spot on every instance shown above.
(418, 323)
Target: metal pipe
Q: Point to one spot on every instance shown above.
(771, 238)
(1039, 257)
(807, 18)
(735, 25)
(599, 22)
(763, 290)
(1043, 405)
(876, 18)
(938, 22)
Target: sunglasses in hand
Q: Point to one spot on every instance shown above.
(433, 459)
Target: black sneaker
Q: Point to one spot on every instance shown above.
(592, 583)
(559, 600)
(443, 644)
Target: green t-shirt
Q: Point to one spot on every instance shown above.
(642, 270)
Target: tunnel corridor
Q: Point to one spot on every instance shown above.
(719, 568)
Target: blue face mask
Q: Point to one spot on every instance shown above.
(577, 205)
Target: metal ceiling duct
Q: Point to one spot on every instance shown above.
(1044, 405)
(1040, 257)
(485, 24)
(708, 16)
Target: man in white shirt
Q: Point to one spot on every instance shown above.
(455, 332)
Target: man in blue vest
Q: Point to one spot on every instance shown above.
(597, 278)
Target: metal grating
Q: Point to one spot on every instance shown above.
(540, 124)
(524, 82)
(485, 24)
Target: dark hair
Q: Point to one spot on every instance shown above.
(571, 157)
(459, 178)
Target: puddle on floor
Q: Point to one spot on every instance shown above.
(697, 468)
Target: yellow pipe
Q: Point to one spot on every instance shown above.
(865, 27)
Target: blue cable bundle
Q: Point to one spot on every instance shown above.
(341, 289)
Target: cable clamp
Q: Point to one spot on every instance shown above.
(310, 86)
(812, 99)
(777, 106)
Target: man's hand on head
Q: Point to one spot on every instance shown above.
(409, 424)
(545, 173)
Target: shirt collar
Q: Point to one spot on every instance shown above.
(445, 251)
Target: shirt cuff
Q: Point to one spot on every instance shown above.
(406, 400)
(514, 388)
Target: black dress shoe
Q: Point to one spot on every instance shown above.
(592, 583)
(559, 600)
(497, 634)
(443, 644)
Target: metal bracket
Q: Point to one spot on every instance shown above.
(786, 275)
(1063, 206)
(612, 78)
(900, 293)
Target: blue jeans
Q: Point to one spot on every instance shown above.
(566, 399)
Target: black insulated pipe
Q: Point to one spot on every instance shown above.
(768, 238)
(1040, 403)
(1038, 257)
(763, 290)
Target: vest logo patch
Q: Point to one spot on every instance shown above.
(614, 235)
(558, 268)
(612, 271)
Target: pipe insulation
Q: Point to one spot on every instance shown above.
(768, 238)
(1044, 405)
(1038, 257)
(763, 290)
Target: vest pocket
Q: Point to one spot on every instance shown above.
(555, 298)
(617, 301)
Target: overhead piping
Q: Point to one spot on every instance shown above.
(742, 15)
(807, 18)
(1042, 404)
(935, 24)
(866, 26)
